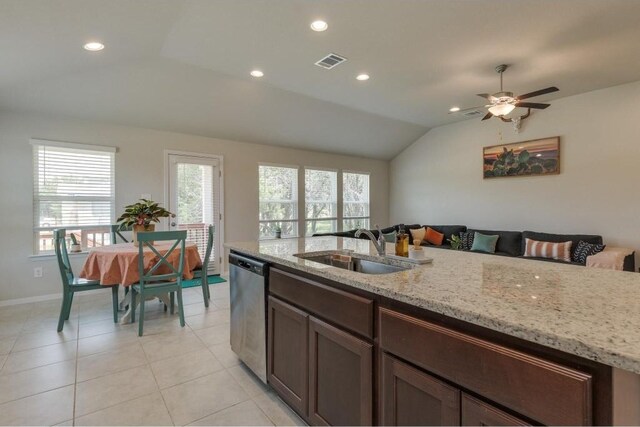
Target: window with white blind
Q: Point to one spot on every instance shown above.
(278, 192)
(321, 201)
(73, 189)
(355, 199)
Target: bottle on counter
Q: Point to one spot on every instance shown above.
(402, 243)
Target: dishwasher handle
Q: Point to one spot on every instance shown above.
(253, 265)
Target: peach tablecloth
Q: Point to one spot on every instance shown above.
(118, 264)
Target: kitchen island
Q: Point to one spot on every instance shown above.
(469, 338)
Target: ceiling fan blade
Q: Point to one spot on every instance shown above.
(532, 105)
(488, 116)
(538, 92)
(487, 96)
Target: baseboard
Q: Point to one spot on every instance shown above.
(48, 297)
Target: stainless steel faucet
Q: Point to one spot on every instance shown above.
(380, 244)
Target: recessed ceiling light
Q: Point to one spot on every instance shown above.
(93, 46)
(257, 73)
(454, 109)
(538, 155)
(362, 77)
(319, 26)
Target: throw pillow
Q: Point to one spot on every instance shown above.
(433, 237)
(467, 240)
(417, 234)
(389, 237)
(537, 249)
(584, 250)
(484, 243)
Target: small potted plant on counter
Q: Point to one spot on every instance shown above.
(278, 231)
(75, 246)
(142, 216)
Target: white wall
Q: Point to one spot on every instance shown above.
(139, 169)
(438, 179)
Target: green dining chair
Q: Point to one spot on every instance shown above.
(116, 230)
(154, 284)
(71, 284)
(203, 272)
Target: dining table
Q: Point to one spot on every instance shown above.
(118, 265)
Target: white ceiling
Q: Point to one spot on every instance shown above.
(182, 65)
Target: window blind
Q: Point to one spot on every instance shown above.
(73, 189)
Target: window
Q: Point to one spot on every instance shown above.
(73, 189)
(320, 201)
(355, 195)
(278, 189)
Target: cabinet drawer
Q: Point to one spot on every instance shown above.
(539, 389)
(349, 311)
(478, 413)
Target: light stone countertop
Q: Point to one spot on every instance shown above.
(588, 312)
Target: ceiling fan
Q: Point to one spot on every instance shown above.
(502, 103)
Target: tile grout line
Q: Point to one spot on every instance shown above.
(157, 385)
(75, 380)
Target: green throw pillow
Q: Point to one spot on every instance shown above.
(484, 243)
(389, 237)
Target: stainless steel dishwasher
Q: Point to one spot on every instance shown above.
(247, 287)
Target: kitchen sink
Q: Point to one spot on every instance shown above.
(353, 263)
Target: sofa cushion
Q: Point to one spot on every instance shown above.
(434, 237)
(484, 243)
(559, 238)
(509, 242)
(448, 230)
(539, 249)
(417, 234)
(466, 237)
(584, 250)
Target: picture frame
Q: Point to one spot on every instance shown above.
(536, 157)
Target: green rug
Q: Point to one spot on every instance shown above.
(196, 282)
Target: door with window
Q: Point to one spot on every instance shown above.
(194, 196)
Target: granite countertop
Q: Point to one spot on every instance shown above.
(588, 312)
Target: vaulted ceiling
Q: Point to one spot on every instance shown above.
(183, 65)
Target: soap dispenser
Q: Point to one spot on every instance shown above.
(402, 243)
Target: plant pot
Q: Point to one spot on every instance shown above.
(76, 248)
(141, 228)
(278, 234)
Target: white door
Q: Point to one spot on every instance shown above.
(194, 196)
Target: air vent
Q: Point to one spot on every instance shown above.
(330, 61)
(472, 113)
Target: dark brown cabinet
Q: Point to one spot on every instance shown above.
(412, 397)
(475, 412)
(322, 372)
(287, 359)
(340, 376)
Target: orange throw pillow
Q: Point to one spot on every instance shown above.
(433, 237)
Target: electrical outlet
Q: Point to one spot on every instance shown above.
(37, 272)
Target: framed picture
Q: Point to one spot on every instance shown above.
(535, 157)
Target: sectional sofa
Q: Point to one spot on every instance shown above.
(510, 243)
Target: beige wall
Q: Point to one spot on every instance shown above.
(438, 179)
(139, 169)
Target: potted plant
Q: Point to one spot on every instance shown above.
(75, 246)
(142, 216)
(278, 231)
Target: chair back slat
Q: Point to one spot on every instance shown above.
(148, 240)
(62, 256)
(116, 232)
(207, 254)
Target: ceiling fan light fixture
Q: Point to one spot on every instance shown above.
(501, 109)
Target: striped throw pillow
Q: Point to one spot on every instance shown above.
(559, 251)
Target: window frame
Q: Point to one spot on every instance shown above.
(295, 221)
(37, 199)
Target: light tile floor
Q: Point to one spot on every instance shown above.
(96, 372)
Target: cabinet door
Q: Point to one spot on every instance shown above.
(340, 377)
(478, 413)
(288, 354)
(412, 397)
